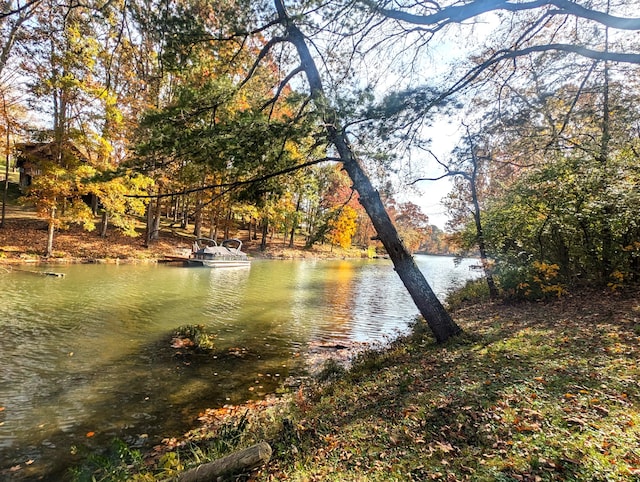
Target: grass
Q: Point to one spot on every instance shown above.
(533, 392)
(538, 392)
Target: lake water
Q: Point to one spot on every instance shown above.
(90, 352)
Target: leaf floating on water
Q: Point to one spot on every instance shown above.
(90, 434)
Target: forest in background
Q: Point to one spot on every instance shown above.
(196, 111)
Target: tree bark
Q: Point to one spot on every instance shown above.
(227, 223)
(157, 217)
(265, 231)
(294, 222)
(437, 318)
(607, 234)
(147, 235)
(50, 232)
(105, 224)
(236, 463)
(484, 260)
(7, 158)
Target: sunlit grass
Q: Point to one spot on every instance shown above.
(536, 396)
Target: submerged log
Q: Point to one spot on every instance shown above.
(40, 273)
(235, 463)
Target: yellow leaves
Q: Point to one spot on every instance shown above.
(617, 280)
(541, 281)
(344, 227)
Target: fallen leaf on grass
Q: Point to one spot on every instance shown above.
(445, 447)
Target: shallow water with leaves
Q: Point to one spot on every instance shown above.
(87, 357)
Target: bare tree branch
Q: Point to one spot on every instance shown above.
(443, 176)
(506, 54)
(458, 13)
(263, 53)
(19, 9)
(281, 86)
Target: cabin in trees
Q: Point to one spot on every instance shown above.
(32, 156)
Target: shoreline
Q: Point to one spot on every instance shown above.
(23, 238)
(401, 405)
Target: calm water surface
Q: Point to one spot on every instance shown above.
(90, 352)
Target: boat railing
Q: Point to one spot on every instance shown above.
(199, 243)
(232, 241)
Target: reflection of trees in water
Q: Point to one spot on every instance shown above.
(339, 295)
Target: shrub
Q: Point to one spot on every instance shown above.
(536, 281)
(473, 291)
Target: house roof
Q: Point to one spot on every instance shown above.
(45, 151)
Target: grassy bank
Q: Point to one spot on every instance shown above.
(532, 392)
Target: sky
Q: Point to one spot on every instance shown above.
(444, 132)
(444, 137)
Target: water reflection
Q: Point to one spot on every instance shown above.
(90, 352)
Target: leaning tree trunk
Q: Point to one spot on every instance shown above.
(439, 321)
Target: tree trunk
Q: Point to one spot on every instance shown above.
(439, 321)
(175, 201)
(213, 228)
(484, 260)
(607, 234)
(147, 237)
(157, 216)
(295, 219)
(265, 231)
(50, 232)
(198, 220)
(105, 222)
(227, 224)
(154, 214)
(5, 193)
